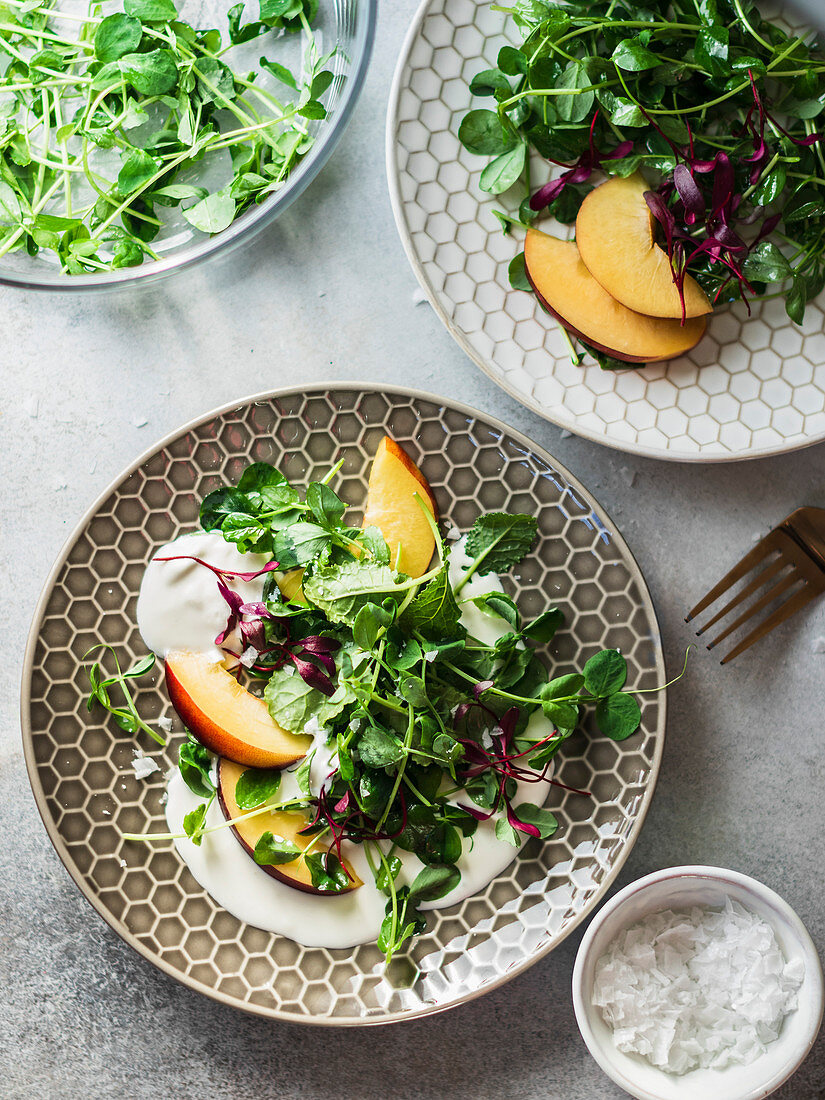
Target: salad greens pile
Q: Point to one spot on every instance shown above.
(428, 726)
(719, 107)
(107, 121)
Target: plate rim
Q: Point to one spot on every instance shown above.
(642, 450)
(80, 880)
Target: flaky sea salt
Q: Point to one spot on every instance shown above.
(696, 988)
(143, 765)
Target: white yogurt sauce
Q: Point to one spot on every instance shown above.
(179, 611)
(180, 605)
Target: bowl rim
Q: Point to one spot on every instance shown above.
(80, 880)
(721, 876)
(252, 221)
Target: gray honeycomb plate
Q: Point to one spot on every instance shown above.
(753, 386)
(80, 763)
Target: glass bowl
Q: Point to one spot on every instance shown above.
(348, 26)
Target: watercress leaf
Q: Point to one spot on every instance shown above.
(504, 171)
(506, 833)
(374, 541)
(618, 716)
(499, 540)
(374, 789)
(481, 132)
(117, 35)
(564, 715)
(302, 774)
(325, 505)
(796, 299)
(501, 606)
(633, 57)
(770, 186)
(544, 820)
(387, 874)
(320, 82)
(280, 72)
(517, 273)
(195, 764)
(215, 82)
(327, 873)
(369, 622)
(300, 543)
(340, 590)
(139, 668)
(766, 264)
(413, 689)
(292, 702)
(193, 823)
(578, 103)
(153, 73)
(256, 786)
(151, 11)
(312, 109)
(605, 672)
(711, 50)
(511, 61)
(562, 687)
(489, 82)
(271, 850)
(434, 612)
(543, 628)
(137, 170)
(212, 214)
(434, 882)
(378, 748)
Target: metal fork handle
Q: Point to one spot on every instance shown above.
(806, 526)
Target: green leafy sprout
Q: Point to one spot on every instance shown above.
(109, 124)
(429, 726)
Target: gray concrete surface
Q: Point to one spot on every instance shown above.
(327, 294)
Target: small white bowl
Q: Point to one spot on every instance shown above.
(678, 888)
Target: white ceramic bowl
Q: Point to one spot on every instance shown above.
(676, 888)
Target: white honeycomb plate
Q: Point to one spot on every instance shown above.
(754, 386)
(80, 763)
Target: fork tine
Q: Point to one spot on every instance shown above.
(750, 560)
(772, 594)
(790, 607)
(760, 579)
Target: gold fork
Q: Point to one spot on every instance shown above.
(793, 554)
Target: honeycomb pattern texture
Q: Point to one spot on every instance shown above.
(753, 386)
(80, 763)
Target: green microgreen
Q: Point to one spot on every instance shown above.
(720, 107)
(427, 728)
(113, 129)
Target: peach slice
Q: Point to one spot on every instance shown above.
(279, 823)
(614, 232)
(567, 290)
(393, 509)
(291, 586)
(227, 718)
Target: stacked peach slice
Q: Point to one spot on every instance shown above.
(235, 724)
(613, 287)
